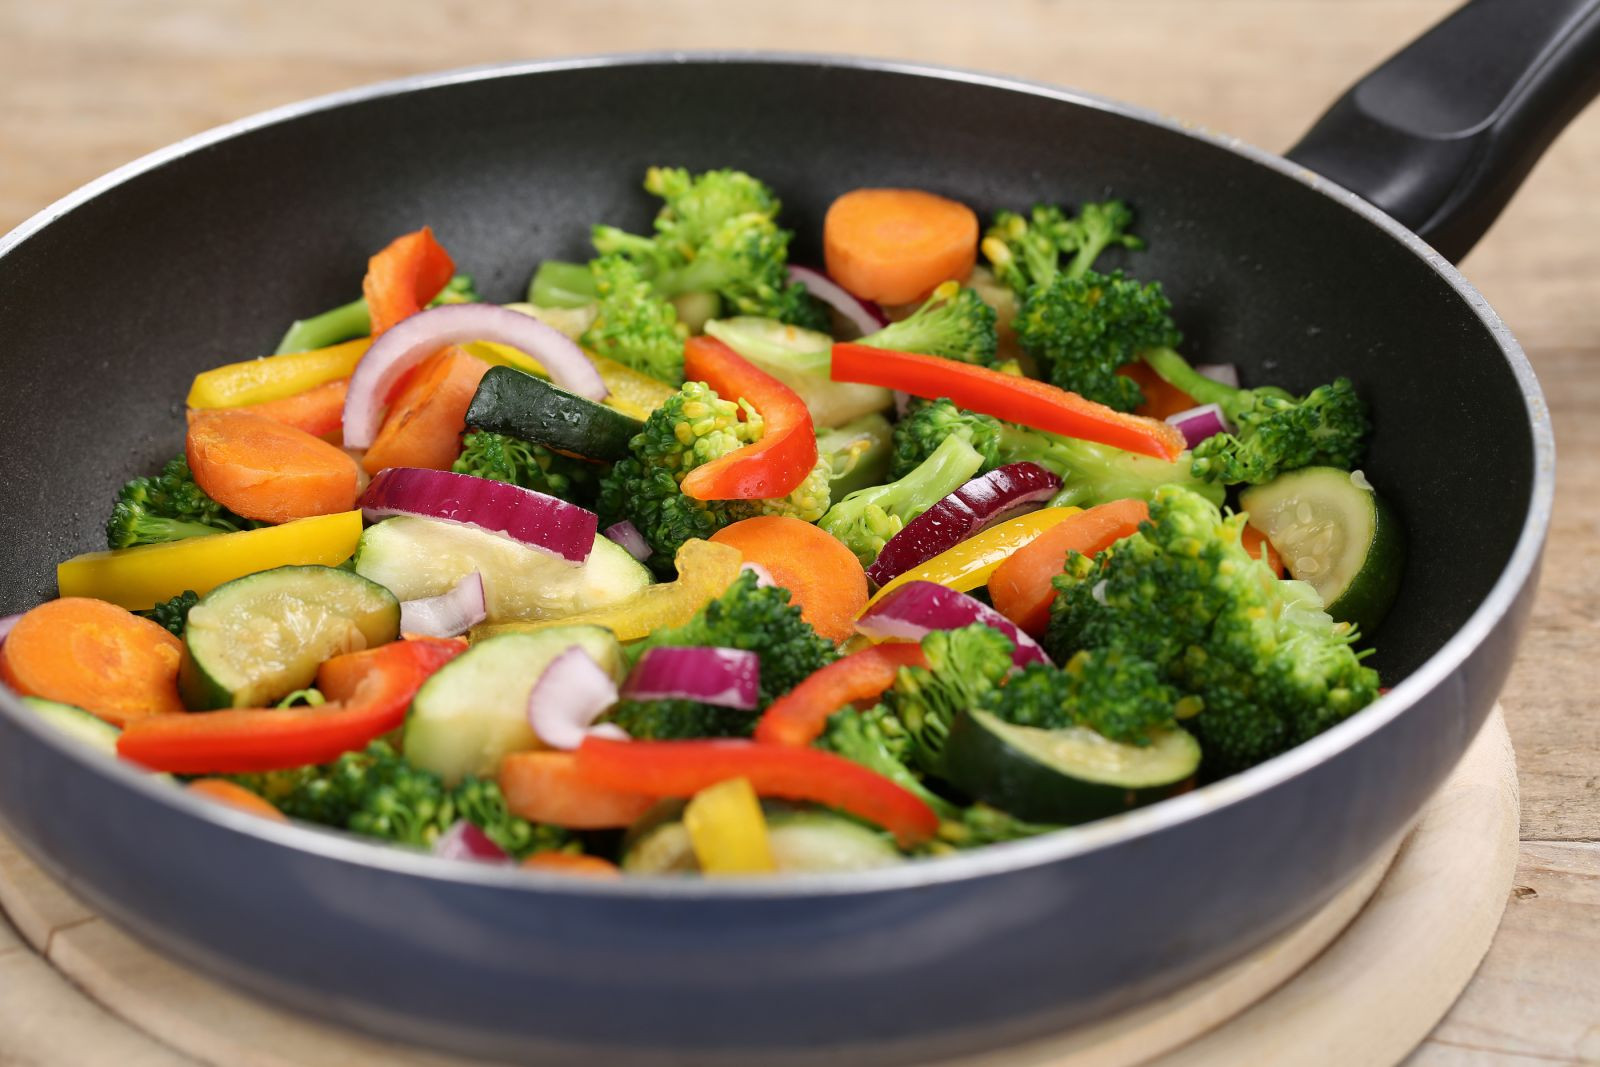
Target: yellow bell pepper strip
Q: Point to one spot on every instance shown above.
(969, 564)
(1005, 396)
(728, 831)
(705, 571)
(784, 456)
(255, 381)
(142, 577)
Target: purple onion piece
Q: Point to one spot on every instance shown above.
(529, 518)
(1226, 373)
(867, 316)
(448, 614)
(628, 536)
(6, 623)
(727, 677)
(980, 503)
(763, 576)
(569, 696)
(464, 841)
(1199, 423)
(913, 610)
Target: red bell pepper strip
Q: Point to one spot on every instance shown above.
(771, 467)
(683, 768)
(403, 277)
(799, 716)
(368, 695)
(1006, 396)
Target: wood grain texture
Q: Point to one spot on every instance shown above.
(91, 84)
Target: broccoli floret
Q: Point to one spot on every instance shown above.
(168, 507)
(376, 793)
(1112, 692)
(867, 518)
(964, 667)
(984, 825)
(879, 741)
(693, 427)
(511, 459)
(1090, 473)
(1080, 330)
(1026, 252)
(1265, 666)
(748, 616)
(349, 321)
(173, 614)
(634, 325)
(954, 323)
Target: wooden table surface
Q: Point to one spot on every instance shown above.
(86, 85)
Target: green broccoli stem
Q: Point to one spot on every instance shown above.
(1095, 474)
(562, 285)
(951, 466)
(1176, 372)
(343, 323)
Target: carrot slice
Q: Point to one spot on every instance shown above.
(318, 410)
(424, 424)
(824, 579)
(1256, 543)
(1160, 399)
(95, 656)
(266, 470)
(403, 277)
(1020, 588)
(235, 795)
(546, 787)
(572, 863)
(895, 245)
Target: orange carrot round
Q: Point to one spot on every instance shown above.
(545, 787)
(424, 424)
(95, 656)
(895, 245)
(264, 469)
(237, 796)
(824, 578)
(572, 863)
(1020, 588)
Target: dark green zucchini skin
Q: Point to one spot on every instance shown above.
(992, 769)
(517, 404)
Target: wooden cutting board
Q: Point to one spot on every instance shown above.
(1361, 982)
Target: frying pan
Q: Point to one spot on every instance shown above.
(112, 299)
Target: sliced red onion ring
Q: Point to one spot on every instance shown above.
(527, 517)
(6, 623)
(464, 841)
(569, 696)
(867, 316)
(448, 614)
(982, 502)
(415, 338)
(628, 536)
(1199, 423)
(1226, 373)
(763, 576)
(727, 677)
(914, 609)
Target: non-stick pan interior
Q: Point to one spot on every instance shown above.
(107, 313)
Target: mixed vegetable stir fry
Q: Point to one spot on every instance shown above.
(703, 562)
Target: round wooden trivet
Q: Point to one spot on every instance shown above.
(1361, 982)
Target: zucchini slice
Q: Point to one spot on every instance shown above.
(511, 402)
(474, 709)
(255, 639)
(1064, 776)
(807, 840)
(1337, 535)
(75, 722)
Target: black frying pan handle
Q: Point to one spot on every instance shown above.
(1444, 131)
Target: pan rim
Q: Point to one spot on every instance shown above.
(993, 859)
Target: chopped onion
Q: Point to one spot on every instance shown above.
(529, 518)
(569, 696)
(416, 338)
(763, 576)
(984, 501)
(448, 614)
(608, 730)
(1199, 423)
(464, 841)
(916, 608)
(867, 316)
(727, 677)
(628, 536)
(6, 623)
(1226, 373)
